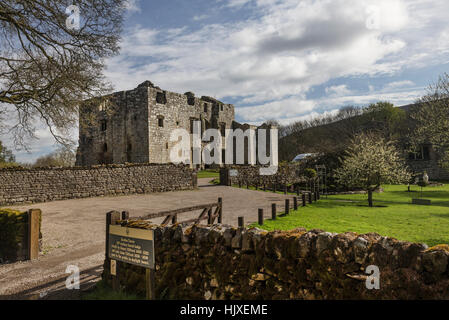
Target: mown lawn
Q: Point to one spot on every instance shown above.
(208, 174)
(393, 215)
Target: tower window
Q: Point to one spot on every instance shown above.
(160, 121)
(161, 98)
(105, 147)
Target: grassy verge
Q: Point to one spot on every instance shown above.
(104, 292)
(393, 215)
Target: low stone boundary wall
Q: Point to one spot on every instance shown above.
(250, 175)
(20, 185)
(221, 262)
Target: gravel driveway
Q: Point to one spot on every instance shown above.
(74, 234)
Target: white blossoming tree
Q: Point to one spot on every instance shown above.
(370, 162)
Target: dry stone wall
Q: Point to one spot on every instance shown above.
(48, 184)
(247, 174)
(221, 262)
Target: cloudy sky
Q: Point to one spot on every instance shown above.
(283, 60)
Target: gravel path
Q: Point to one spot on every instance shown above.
(74, 232)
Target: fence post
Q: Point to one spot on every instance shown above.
(149, 277)
(220, 211)
(111, 219)
(310, 197)
(295, 203)
(260, 214)
(209, 216)
(287, 206)
(314, 197)
(273, 211)
(241, 222)
(33, 233)
(297, 191)
(303, 199)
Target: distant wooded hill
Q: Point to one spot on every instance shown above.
(331, 134)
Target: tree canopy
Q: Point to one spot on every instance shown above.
(431, 119)
(47, 66)
(370, 162)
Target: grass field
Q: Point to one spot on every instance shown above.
(393, 215)
(208, 174)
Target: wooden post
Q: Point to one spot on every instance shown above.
(260, 214)
(220, 211)
(273, 211)
(303, 199)
(209, 215)
(314, 197)
(287, 206)
(111, 219)
(125, 215)
(33, 233)
(295, 203)
(310, 197)
(241, 222)
(297, 191)
(149, 277)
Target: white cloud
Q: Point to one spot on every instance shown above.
(132, 6)
(291, 48)
(398, 84)
(200, 17)
(338, 91)
(237, 3)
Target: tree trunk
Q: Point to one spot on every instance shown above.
(370, 198)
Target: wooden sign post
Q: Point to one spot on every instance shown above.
(133, 246)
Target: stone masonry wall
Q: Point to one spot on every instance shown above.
(49, 184)
(220, 262)
(286, 174)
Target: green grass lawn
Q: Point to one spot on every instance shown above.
(393, 215)
(208, 173)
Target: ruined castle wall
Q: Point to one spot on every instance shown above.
(119, 131)
(220, 262)
(176, 113)
(48, 184)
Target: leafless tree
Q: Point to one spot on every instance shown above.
(47, 66)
